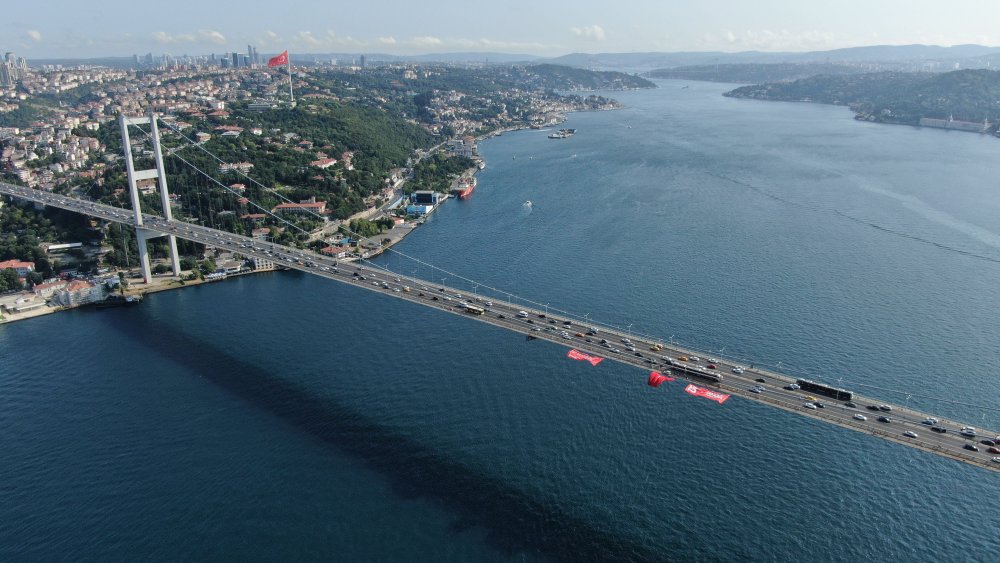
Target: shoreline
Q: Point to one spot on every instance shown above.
(168, 283)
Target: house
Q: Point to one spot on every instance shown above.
(304, 208)
(79, 292)
(335, 251)
(22, 268)
(48, 289)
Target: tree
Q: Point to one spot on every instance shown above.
(10, 281)
(33, 279)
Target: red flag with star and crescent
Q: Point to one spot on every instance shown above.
(281, 59)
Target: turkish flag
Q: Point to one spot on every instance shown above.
(281, 59)
(656, 378)
(575, 354)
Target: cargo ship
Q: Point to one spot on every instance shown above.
(463, 187)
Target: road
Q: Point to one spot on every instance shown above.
(576, 333)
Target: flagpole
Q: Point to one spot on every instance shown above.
(291, 96)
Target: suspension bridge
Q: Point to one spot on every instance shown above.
(592, 340)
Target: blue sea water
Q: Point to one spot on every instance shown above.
(282, 416)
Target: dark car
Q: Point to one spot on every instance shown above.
(939, 429)
(541, 315)
(551, 321)
(971, 447)
(435, 298)
(710, 366)
(988, 442)
(760, 380)
(819, 405)
(530, 322)
(851, 405)
(638, 354)
(884, 419)
(873, 407)
(501, 317)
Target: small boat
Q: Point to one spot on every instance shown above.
(527, 203)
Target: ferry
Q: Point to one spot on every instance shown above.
(562, 134)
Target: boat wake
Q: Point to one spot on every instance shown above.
(860, 221)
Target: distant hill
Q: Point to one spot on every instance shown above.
(571, 78)
(753, 73)
(902, 57)
(895, 97)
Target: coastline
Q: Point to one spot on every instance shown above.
(169, 282)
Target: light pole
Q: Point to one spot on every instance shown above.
(546, 309)
(630, 331)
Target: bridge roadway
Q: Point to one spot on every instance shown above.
(572, 333)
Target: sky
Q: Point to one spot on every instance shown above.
(100, 28)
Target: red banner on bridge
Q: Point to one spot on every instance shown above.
(656, 378)
(707, 393)
(575, 354)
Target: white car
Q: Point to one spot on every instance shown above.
(860, 416)
(737, 370)
(910, 434)
(809, 406)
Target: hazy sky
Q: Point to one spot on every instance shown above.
(78, 28)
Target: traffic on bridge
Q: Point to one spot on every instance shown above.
(844, 408)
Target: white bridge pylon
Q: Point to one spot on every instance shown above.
(134, 176)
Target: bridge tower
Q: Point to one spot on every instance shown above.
(134, 176)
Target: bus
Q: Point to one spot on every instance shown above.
(473, 310)
(821, 389)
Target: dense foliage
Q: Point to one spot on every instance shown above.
(895, 97)
(753, 73)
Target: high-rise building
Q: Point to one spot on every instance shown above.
(363, 61)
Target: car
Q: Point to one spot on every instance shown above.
(885, 419)
(809, 406)
(541, 315)
(819, 405)
(971, 447)
(579, 335)
(885, 408)
(872, 407)
(489, 303)
(794, 387)
(758, 380)
(710, 366)
(616, 350)
(995, 460)
(435, 298)
(939, 429)
(737, 370)
(522, 314)
(860, 416)
(929, 421)
(421, 294)
(850, 405)
(755, 389)
(910, 434)
(552, 322)
(994, 450)
(713, 361)
(695, 359)
(536, 329)
(988, 442)
(501, 317)
(810, 398)
(683, 358)
(968, 432)
(630, 348)
(529, 321)
(567, 323)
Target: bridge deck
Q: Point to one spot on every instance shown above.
(505, 315)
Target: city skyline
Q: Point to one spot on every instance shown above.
(69, 30)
